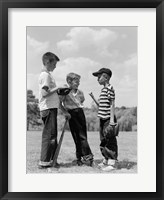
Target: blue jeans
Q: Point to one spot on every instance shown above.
(49, 134)
(78, 129)
(108, 146)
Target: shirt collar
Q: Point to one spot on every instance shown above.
(44, 70)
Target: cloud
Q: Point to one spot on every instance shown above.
(131, 67)
(37, 46)
(80, 65)
(132, 61)
(86, 38)
(35, 50)
(84, 67)
(84, 50)
(125, 82)
(126, 67)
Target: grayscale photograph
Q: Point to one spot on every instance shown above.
(81, 99)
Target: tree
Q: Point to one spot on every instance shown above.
(127, 119)
(91, 119)
(33, 114)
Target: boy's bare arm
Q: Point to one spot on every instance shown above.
(62, 108)
(82, 98)
(47, 92)
(112, 123)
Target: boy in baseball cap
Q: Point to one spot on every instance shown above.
(108, 145)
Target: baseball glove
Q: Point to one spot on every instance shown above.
(109, 130)
(63, 91)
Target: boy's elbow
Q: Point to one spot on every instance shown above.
(44, 93)
(82, 99)
(44, 96)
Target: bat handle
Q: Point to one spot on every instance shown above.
(59, 145)
(92, 96)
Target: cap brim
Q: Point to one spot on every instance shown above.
(96, 73)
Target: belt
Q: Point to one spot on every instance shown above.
(75, 109)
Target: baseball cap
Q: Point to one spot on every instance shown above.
(103, 70)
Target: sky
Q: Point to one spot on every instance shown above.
(84, 50)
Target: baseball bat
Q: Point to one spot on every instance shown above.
(92, 96)
(59, 145)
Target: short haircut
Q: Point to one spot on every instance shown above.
(49, 56)
(71, 76)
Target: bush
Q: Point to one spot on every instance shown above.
(126, 117)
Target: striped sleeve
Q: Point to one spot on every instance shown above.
(111, 93)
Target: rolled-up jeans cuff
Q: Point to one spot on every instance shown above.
(88, 157)
(44, 164)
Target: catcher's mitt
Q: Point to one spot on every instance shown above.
(109, 130)
(63, 91)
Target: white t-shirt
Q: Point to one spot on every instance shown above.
(51, 101)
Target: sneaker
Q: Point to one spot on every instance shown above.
(43, 165)
(79, 163)
(111, 162)
(56, 165)
(103, 163)
(93, 164)
(108, 168)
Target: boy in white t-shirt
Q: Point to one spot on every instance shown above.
(48, 105)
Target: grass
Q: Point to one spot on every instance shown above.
(127, 154)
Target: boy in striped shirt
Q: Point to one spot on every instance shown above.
(108, 145)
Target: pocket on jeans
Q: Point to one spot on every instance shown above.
(44, 113)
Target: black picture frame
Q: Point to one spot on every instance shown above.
(4, 6)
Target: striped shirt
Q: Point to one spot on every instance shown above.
(106, 96)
